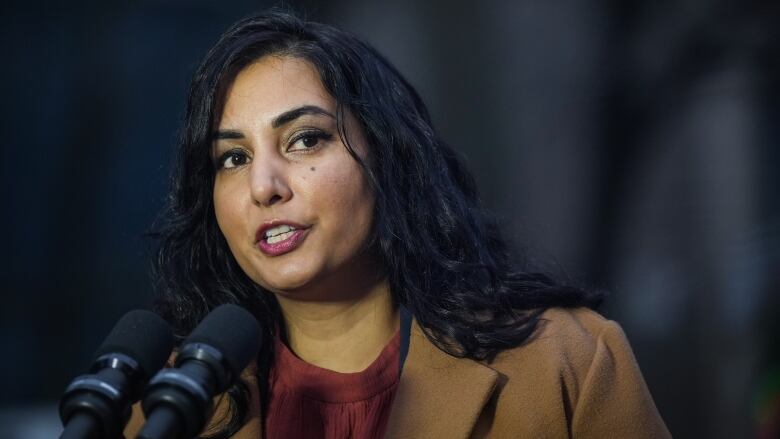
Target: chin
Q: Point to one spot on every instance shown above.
(285, 282)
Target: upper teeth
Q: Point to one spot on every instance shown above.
(278, 230)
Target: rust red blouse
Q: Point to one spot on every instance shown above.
(307, 401)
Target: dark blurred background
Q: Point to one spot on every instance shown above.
(634, 143)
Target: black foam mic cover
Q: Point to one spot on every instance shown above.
(178, 401)
(98, 405)
(231, 330)
(143, 336)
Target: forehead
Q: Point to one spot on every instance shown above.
(272, 85)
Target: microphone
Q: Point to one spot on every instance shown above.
(178, 401)
(97, 405)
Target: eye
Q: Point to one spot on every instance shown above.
(308, 140)
(232, 159)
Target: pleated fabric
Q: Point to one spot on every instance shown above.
(307, 401)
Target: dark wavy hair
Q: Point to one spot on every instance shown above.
(444, 257)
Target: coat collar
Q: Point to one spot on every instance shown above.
(438, 395)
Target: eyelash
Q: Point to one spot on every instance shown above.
(310, 134)
(315, 134)
(220, 162)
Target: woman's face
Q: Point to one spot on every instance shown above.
(292, 203)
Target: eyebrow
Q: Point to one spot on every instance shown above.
(278, 121)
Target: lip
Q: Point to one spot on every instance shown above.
(281, 247)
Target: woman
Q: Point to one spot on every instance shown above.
(311, 188)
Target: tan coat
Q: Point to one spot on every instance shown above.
(576, 377)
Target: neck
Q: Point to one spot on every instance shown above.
(344, 336)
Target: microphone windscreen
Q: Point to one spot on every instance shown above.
(143, 336)
(233, 331)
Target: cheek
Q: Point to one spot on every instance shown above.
(343, 193)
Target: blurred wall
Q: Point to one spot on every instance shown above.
(633, 143)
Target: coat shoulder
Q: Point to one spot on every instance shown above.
(576, 365)
(565, 339)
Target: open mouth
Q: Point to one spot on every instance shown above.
(279, 233)
(281, 238)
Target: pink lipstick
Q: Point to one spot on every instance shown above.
(278, 237)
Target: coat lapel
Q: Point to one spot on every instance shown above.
(438, 395)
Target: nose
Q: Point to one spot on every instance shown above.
(269, 182)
